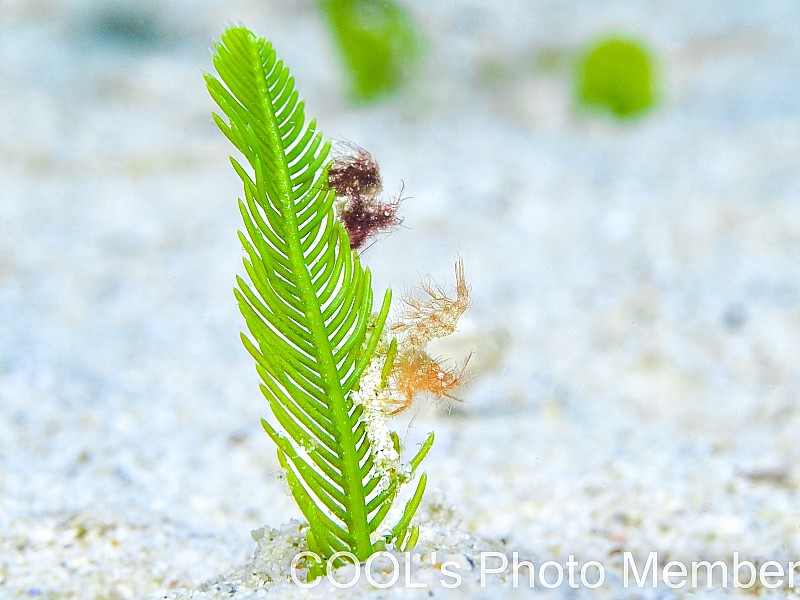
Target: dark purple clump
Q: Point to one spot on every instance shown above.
(355, 177)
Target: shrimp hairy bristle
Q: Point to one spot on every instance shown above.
(435, 316)
(417, 372)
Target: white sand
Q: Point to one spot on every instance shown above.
(636, 315)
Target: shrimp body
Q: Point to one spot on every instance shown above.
(414, 371)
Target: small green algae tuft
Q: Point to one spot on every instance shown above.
(616, 74)
(379, 42)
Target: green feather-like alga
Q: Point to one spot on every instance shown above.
(308, 306)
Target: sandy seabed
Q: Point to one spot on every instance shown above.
(635, 325)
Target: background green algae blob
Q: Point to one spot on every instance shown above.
(616, 74)
(379, 42)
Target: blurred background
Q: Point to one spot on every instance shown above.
(621, 179)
